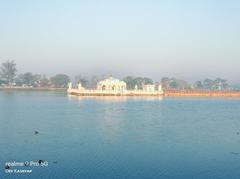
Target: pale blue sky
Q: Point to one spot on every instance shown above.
(185, 38)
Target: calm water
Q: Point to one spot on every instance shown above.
(120, 137)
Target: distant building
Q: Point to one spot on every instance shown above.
(149, 88)
(136, 87)
(2, 82)
(111, 84)
(159, 87)
(114, 87)
(80, 87)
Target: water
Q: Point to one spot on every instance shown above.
(120, 137)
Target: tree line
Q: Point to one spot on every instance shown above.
(9, 76)
(206, 84)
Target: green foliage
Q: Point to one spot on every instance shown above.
(173, 83)
(217, 84)
(208, 83)
(198, 85)
(60, 81)
(28, 79)
(44, 82)
(139, 81)
(165, 82)
(80, 79)
(8, 71)
(34, 80)
(130, 82)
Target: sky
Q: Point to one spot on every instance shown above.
(186, 39)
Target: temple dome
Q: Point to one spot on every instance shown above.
(111, 84)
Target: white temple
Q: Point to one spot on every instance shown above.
(111, 84)
(114, 87)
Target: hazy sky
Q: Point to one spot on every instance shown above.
(185, 38)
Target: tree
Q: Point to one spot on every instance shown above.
(217, 84)
(28, 79)
(173, 83)
(44, 81)
(220, 84)
(208, 84)
(8, 71)
(139, 81)
(198, 85)
(165, 82)
(147, 81)
(129, 80)
(82, 80)
(182, 84)
(60, 80)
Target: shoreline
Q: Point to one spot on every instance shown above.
(199, 93)
(166, 93)
(31, 89)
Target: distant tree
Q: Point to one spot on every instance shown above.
(44, 81)
(60, 80)
(198, 85)
(220, 84)
(80, 79)
(2, 82)
(28, 79)
(130, 81)
(173, 83)
(182, 84)
(8, 71)
(19, 80)
(217, 84)
(147, 81)
(165, 82)
(208, 84)
(139, 81)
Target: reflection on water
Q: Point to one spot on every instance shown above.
(120, 137)
(116, 98)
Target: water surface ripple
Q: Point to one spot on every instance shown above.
(116, 137)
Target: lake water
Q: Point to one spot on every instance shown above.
(120, 137)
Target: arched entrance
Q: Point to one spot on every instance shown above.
(104, 87)
(113, 87)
